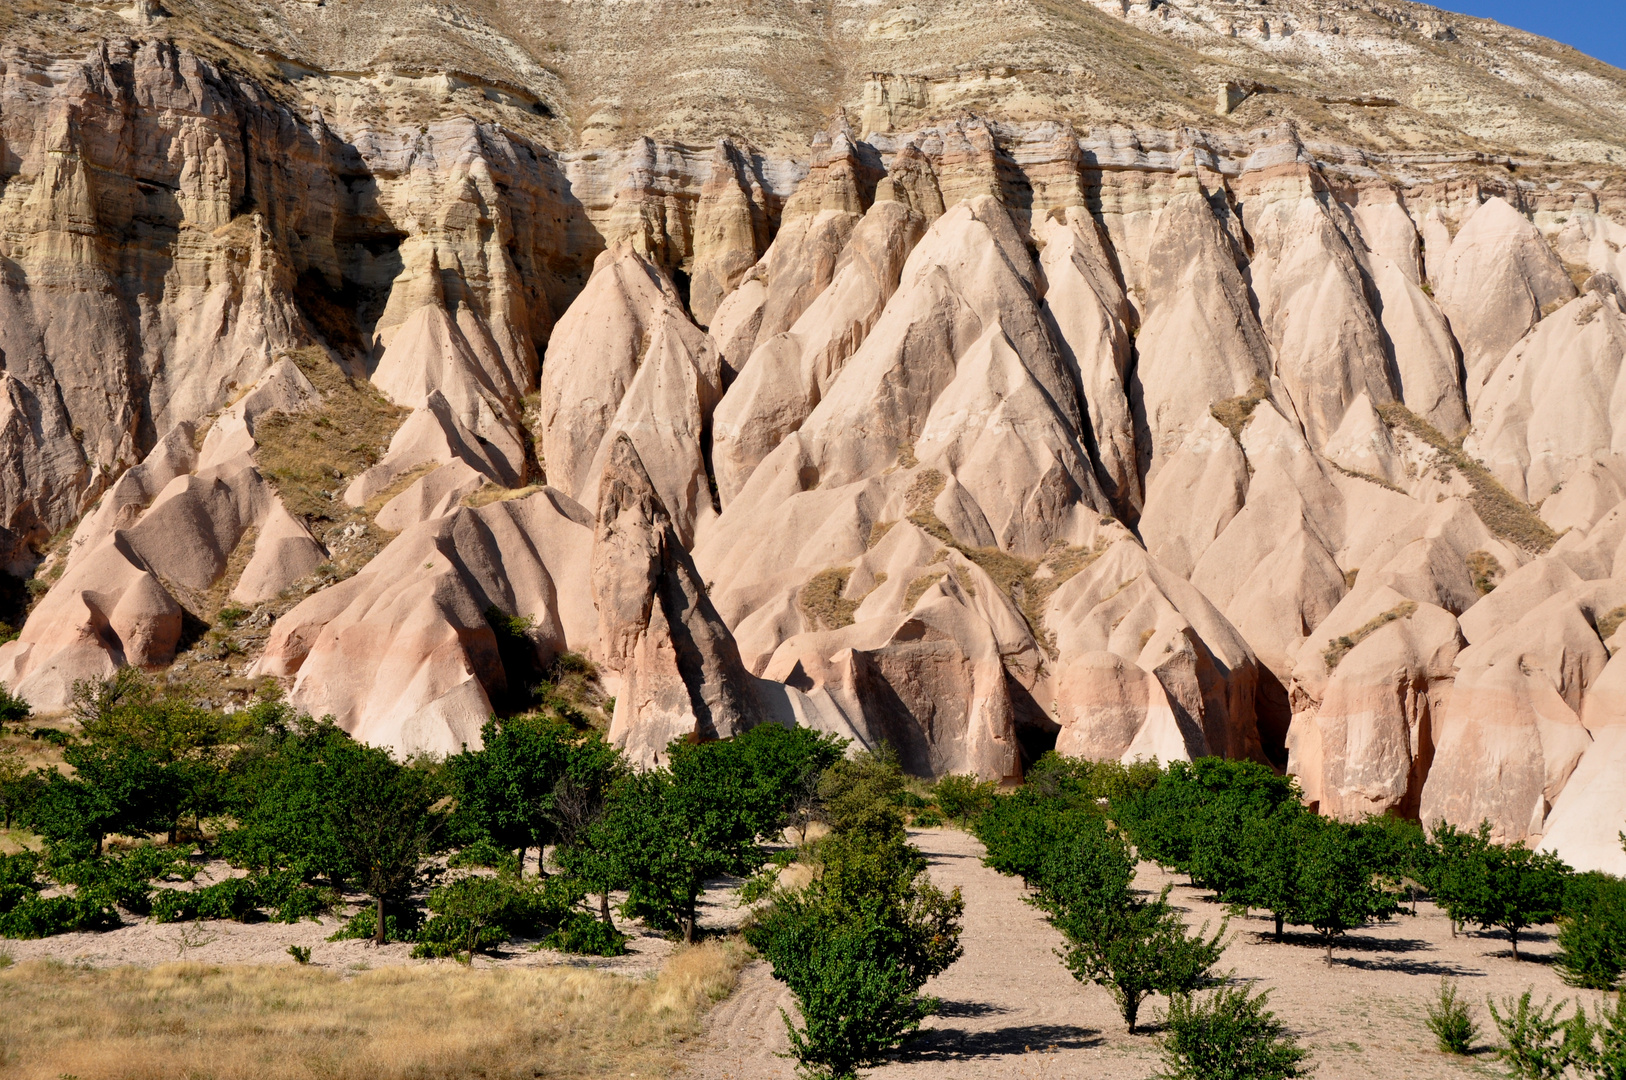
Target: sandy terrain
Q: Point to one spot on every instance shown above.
(144, 942)
(1011, 1010)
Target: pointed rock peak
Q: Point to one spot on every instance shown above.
(913, 182)
(626, 490)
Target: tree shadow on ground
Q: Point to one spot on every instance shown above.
(1348, 943)
(969, 1008)
(1403, 966)
(954, 1044)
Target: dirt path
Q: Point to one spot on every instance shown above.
(1010, 1010)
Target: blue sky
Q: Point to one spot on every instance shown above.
(1597, 28)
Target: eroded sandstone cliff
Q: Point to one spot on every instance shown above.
(977, 410)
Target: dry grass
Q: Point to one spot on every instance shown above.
(1342, 644)
(308, 454)
(1356, 474)
(1016, 577)
(1485, 570)
(1504, 515)
(1610, 622)
(291, 1023)
(492, 493)
(1235, 412)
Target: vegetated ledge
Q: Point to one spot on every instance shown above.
(1017, 577)
(1342, 644)
(1235, 412)
(1509, 518)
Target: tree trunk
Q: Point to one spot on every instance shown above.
(378, 933)
(99, 847)
(688, 930)
(1513, 938)
(1278, 927)
(1131, 1010)
(1329, 952)
(604, 909)
(522, 863)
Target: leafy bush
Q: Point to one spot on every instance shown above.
(927, 819)
(582, 934)
(1592, 932)
(13, 709)
(1230, 1036)
(34, 916)
(402, 924)
(963, 798)
(1607, 1060)
(300, 953)
(236, 899)
(478, 913)
(1537, 1044)
(1448, 1018)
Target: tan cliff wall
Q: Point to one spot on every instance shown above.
(975, 437)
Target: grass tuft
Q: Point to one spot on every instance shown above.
(1486, 571)
(1235, 412)
(1342, 644)
(1507, 517)
(1609, 622)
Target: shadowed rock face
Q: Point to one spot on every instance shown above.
(970, 418)
(680, 671)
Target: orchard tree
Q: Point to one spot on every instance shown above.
(380, 818)
(1271, 850)
(1338, 890)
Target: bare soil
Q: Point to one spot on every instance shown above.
(1011, 1010)
(144, 943)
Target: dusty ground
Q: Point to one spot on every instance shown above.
(1010, 1010)
(143, 942)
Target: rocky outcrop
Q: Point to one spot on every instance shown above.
(171, 527)
(982, 428)
(677, 664)
(403, 654)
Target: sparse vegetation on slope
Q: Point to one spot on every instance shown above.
(1504, 515)
(1235, 412)
(1343, 643)
(1028, 582)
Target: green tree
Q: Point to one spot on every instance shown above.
(380, 819)
(1338, 889)
(280, 789)
(1270, 852)
(505, 790)
(856, 946)
(1506, 888)
(864, 792)
(1592, 932)
(1230, 1036)
(1135, 949)
(672, 829)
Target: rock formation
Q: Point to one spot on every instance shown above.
(1022, 401)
